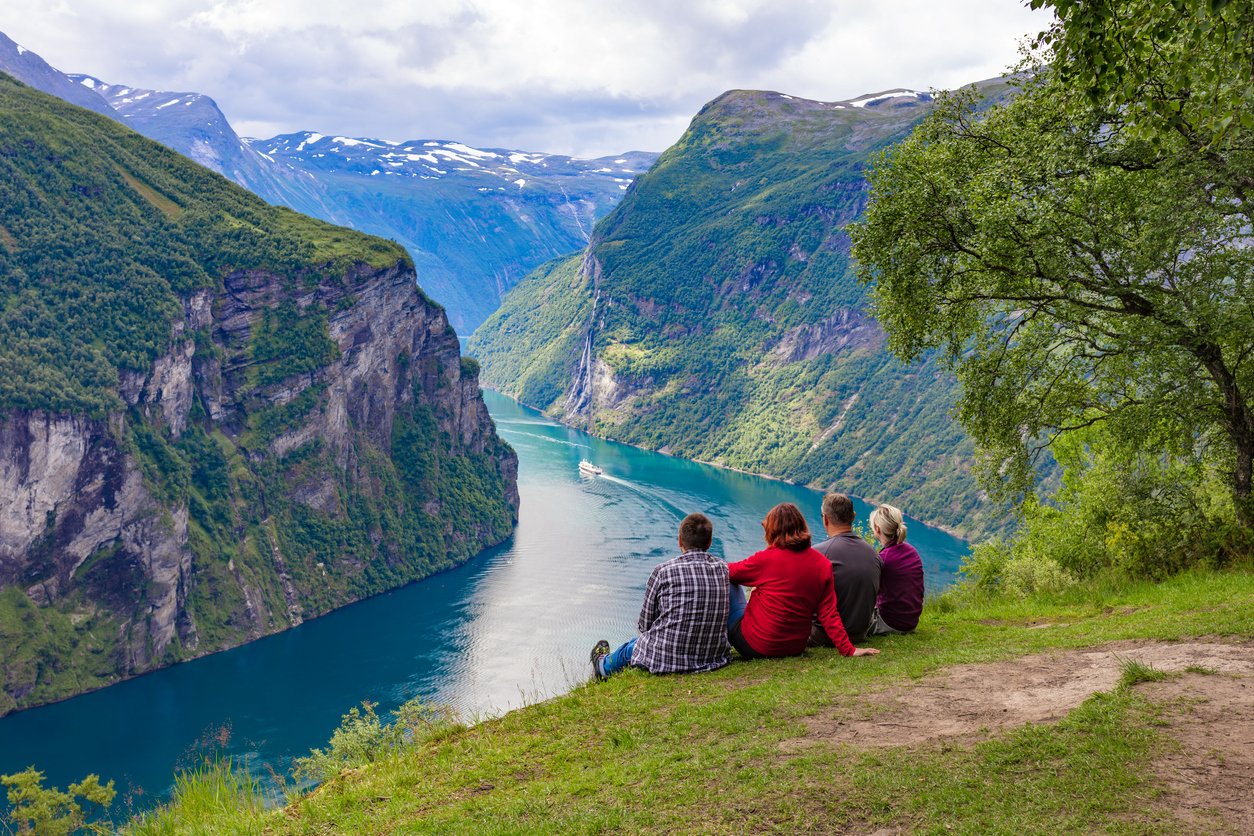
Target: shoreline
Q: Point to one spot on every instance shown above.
(940, 526)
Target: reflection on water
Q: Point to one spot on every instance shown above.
(511, 627)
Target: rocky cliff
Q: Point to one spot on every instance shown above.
(284, 426)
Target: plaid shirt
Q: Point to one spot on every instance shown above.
(683, 623)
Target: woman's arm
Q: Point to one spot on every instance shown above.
(829, 617)
(746, 572)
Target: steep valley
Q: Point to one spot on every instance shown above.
(715, 315)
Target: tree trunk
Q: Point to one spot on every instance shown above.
(1239, 422)
(1241, 477)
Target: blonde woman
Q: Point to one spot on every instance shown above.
(900, 600)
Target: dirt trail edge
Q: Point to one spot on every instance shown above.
(1209, 710)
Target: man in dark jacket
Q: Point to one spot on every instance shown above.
(855, 570)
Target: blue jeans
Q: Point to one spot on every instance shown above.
(736, 602)
(619, 659)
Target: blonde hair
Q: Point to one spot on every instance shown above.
(888, 520)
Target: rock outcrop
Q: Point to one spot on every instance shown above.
(93, 527)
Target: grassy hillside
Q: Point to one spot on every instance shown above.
(102, 232)
(715, 315)
(978, 722)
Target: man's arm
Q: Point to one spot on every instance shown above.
(649, 609)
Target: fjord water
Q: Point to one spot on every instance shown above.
(510, 627)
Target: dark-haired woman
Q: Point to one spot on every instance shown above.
(791, 582)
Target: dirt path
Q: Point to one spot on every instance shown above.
(1209, 711)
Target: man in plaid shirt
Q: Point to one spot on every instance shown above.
(683, 623)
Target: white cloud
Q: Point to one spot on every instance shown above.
(554, 75)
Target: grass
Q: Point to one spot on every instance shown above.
(212, 798)
(166, 206)
(1133, 673)
(703, 753)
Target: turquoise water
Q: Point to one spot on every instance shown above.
(512, 626)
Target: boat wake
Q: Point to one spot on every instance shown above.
(656, 497)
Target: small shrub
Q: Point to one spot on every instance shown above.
(1030, 574)
(49, 811)
(363, 738)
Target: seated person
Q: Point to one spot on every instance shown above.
(791, 582)
(855, 570)
(683, 623)
(900, 602)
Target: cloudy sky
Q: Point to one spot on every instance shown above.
(584, 77)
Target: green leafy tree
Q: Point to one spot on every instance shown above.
(1074, 274)
(1179, 67)
(48, 811)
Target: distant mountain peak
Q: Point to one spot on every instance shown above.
(494, 168)
(127, 100)
(30, 69)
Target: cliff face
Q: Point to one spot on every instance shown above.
(85, 534)
(217, 418)
(69, 492)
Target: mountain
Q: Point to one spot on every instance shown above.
(192, 124)
(475, 220)
(715, 315)
(472, 228)
(29, 68)
(217, 417)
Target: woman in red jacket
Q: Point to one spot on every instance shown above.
(791, 583)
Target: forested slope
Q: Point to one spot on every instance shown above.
(715, 315)
(217, 417)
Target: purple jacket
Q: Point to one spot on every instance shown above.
(901, 587)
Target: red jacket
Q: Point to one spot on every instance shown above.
(789, 588)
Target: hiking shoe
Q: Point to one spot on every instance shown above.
(599, 651)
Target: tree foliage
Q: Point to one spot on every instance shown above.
(1073, 273)
(49, 811)
(1177, 67)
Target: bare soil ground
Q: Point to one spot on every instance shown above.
(1209, 779)
(1207, 776)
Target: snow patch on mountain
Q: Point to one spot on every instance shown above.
(873, 99)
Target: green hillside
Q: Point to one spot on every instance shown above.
(218, 417)
(102, 232)
(1077, 713)
(715, 316)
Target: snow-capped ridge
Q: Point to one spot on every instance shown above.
(873, 99)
